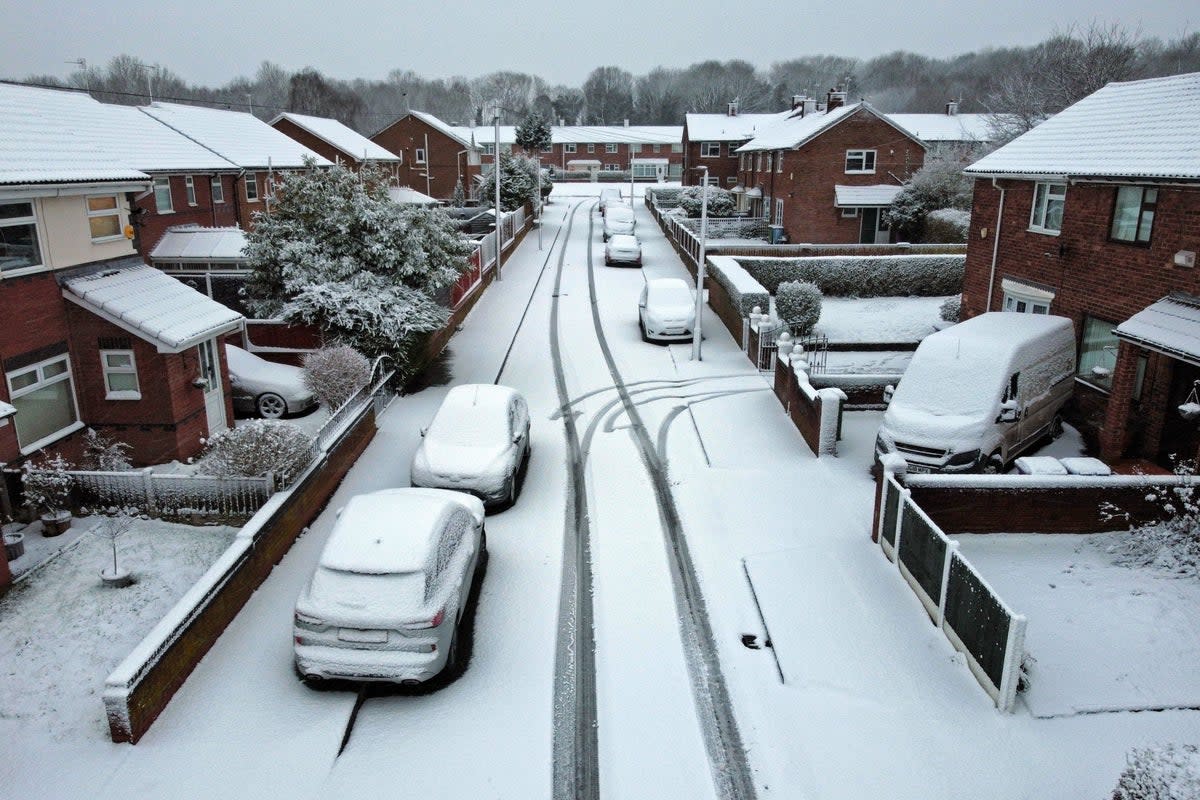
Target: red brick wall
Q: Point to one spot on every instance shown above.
(318, 145)
(806, 184)
(558, 156)
(722, 167)
(151, 225)
(444, 163)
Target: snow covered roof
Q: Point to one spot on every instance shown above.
(1171, 326)
(724, 128)
(795, 129)
(42, 142)
(410, 196)
(1138, 129)
(150, 304)
(145, 143)
(455, 133)
(192, 243)
(331, 131)
(583, 134)
(239, 137)
(584, 162)
(946, 127)
(366, 539)
(865, 196)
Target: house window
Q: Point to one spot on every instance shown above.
(569, 148)
(1025, 305)
(757, 161)
(18, 237)
(849, 212)
(1047, 213)
(657, 148)
(162, 196)
(44, 397)
(1133, 214)
(1098, 352)
(677, 148)
(732, 147)
(732, 181)
(633, 148)
(591, 148)
(710, 149)
(779, 163)
(190, 184)
(218, 190)
(419, 157)
(251, 187)
(778, 212)
(768, 162)
(860, 161)
(612, 167)
(120, 375)
(104, 217)
(611, 147)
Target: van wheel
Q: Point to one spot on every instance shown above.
(993, 465)
(1056, 427)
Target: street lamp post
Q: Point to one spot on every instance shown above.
(496, 172)
(538, 161)
(700, 266)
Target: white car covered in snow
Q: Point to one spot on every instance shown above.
(623, 249)
(667, 310)
(478, 442)
(397, 574)
(618, 220)
(264, 387)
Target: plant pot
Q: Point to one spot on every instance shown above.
(14, 545)
(115, 580)
(55, 523)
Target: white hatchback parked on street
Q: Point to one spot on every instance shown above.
(667, 310)
(623, 249)
(391, 587)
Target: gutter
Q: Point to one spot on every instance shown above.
(995, 245)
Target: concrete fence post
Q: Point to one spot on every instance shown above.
(951, 549)
(148, 489)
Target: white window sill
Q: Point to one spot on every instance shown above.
(16, 273)
(1043, 231)
(860, 172)
(105, 239)
(1094, 387)
(51, 439)
(123, 396)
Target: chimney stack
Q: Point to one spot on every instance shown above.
(834, 99)
(626, 123)
(952, 108)
(733, 109)
(562, 122)
(798, 101)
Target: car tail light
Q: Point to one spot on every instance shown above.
(433, 623)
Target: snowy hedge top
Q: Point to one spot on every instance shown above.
(743, 289)
(863, 276)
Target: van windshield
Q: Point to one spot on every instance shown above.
(946, 379)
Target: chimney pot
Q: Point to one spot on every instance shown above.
(733, 109)
(952, 108)
(834, 99)
(626, 123)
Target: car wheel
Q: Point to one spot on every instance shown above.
(1056, 427)
(511, 500)
(993, 465)
(271, 406)
(645, 337)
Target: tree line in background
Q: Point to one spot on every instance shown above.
(1026, 82)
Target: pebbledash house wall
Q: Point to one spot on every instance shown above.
(443, 160)
(810, 173)
(1090, 276)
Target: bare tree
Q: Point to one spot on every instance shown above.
(608, 92)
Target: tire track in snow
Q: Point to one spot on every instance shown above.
(731, 772)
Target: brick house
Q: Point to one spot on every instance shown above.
(337, 143)
(597, 148)
(712, 140)
(434, 156)
(826, 175)
(93, 336)
(1095, 215)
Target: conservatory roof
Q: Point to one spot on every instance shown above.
(881, 194)
(406, 195)
(195, 244)
(1170, 326)
(149, 304)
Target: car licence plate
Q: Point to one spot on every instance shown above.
(362, 636)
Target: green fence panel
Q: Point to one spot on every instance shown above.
(978, 618)
(891, 504)
(922, 551)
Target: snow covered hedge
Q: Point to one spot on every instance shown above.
(720, 201)
(1169, 772)
(947, 225)
(665, 197)
(743, 290)
(256, 448)
(864, 276)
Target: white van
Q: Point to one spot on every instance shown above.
(978, 394)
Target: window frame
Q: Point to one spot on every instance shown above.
(163, 183)
(868, 160)
(30, 221)
(610, 147)
(569, 147)
(67, 376)
(591, 148)
(104, 213)
(1040, 207)
(1090, 378)
(189, 185)
(217, 190)
(419, 155)
(1014, 299)
(850, 212)
(1143, 206)
(251, 179)
(707, 148)
(779, 163)
(107, 369)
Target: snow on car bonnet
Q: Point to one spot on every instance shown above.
(387, 532)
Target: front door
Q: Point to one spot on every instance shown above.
(214, 396)
(874, 230)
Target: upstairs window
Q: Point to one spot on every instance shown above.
(548, 148)
(633, 148)
(710, 149)
(611, 147)
(190, 184)
(251, 187)
(591, 148)
(860, 162)
(1047, 213)
(104, 217)
(733, 146)
(677, 148)
(162, 196)
(569, 148)
(18, 237)
(419, 156)
(218, 190)
(1133, 214)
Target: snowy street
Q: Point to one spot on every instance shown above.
(680, 512)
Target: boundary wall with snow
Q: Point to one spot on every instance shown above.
(816, 413)
(142, 685)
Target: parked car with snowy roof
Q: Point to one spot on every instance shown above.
(264, 387)
(618, 220)
(609, 195)
(978, 394)
(623, 249)
(390, 589)
(667, 310)
(478, 442)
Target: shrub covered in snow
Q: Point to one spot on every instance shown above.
(947, 225)
(864, 276)
(743, 290)
(951, 309)
(256, 448)
(334, 374)
(664, 197)
(46, 484)
(798, 303)
(1167, 772)
(940, 183)
(720, 201)
(104, 454)
(518, 182)
(1172, 545)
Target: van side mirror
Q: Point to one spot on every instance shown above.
(888, 391)
(1008, 411)
(423, 432)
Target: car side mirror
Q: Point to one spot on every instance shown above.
(888, 391)
(423, 432)
(1008, 411)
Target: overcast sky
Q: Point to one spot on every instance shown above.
(212, 41)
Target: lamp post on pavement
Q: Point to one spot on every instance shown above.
(538, 161)
(496, 172)
(700, 266)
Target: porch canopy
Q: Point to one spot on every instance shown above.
(194, 244)
(149, 304)
(1170, 326)
(877, 196)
